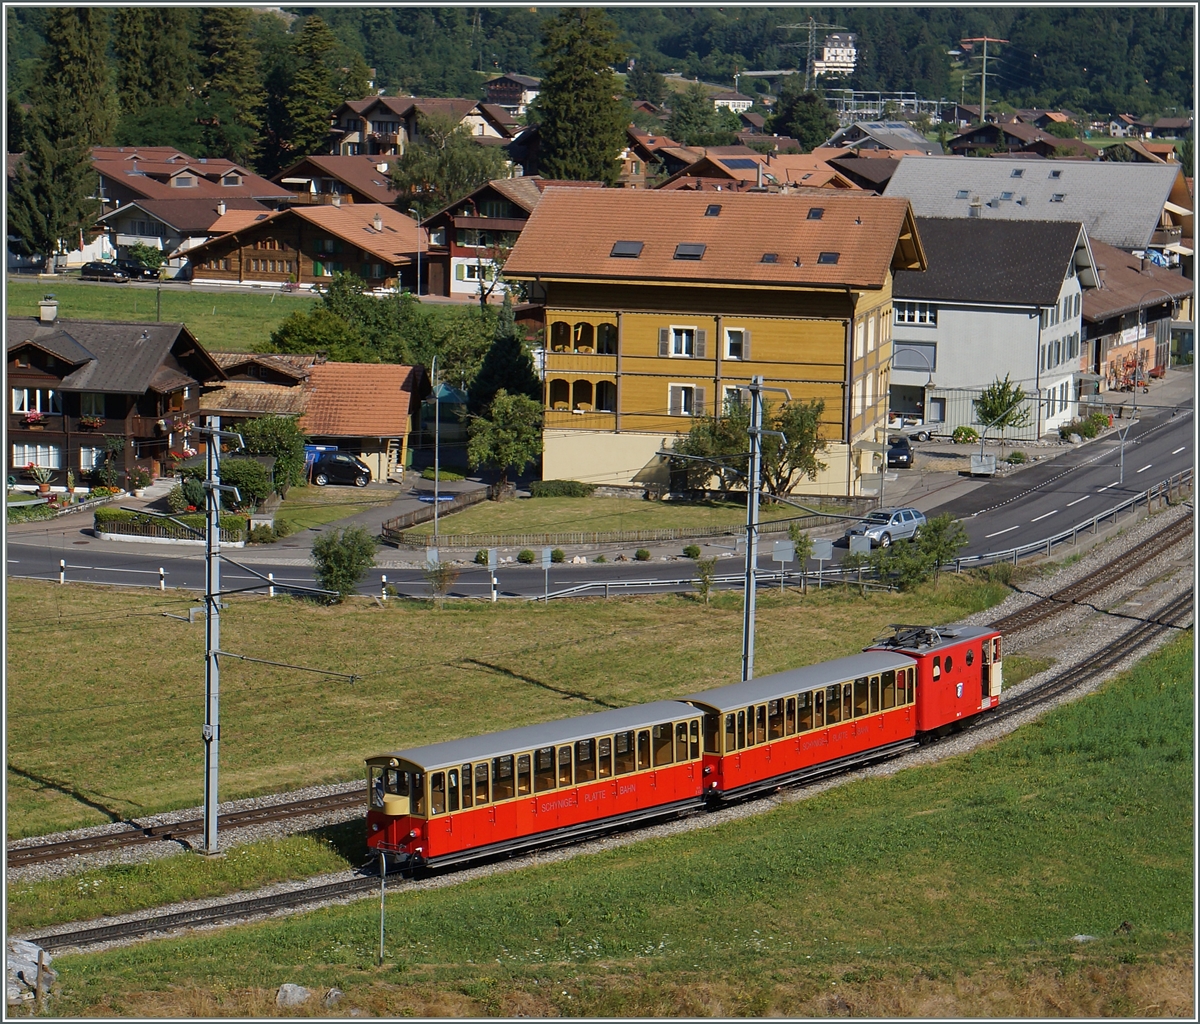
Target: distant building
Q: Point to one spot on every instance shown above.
(735, 101)
(839, 55)
(512, 92)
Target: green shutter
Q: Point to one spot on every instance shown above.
(460, 272)
(318, 269)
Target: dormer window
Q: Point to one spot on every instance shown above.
(816, 213)
(690, 250)
(231, 179)
(184, 181)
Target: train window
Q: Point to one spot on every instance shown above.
(805, 721)
(996, 649)
(466, 786)
(742, 730)
(543, 769)
(760, 724)
(712, 733)
(564, 766)
(949, 663)
(416, 796)
(970, 656)
(789, 717)
(452, 790)
(626, 757)
(437, 793)
(604, 746)
(833, 705)
(662, 743)
(862, 692)
(874, 694)
(847, 701)
(643, 750)
(681, 744)
(889, 689)
(481, 783)
(503, 784)
(585, 760)
(695, 731)
(375, 787)
(937, 667)
(818, 709)
(524, 775)
(775, 720)
(730, 733)
(987, 653)
(396, 782)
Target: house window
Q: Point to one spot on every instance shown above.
(91, 404)
(606, 339)
(683, 341)
(1078, 303)
(635, 167)
(184, 181)
(916, 356)
(90, 458)
(437, 236)
(606, 396)
(924, 313)
(736, 346)
(43, 400)
(48, 456)
(685, 400)
(231, 179)
(495, 208)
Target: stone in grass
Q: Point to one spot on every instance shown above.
(292, 995)
(1083, 938)
(1075, 439)
(333, 996)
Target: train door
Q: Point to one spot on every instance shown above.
(992, 676)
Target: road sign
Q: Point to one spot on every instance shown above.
(493, 558)
(822, 550)
(547, 557)
(431, 556)
(784, 551)
(860, 545)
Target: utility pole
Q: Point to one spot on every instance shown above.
(983, 76)
(437, 421)
(753, 485)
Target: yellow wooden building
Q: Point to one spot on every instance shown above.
(657, 304)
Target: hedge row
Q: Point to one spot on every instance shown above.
(560, 489)
(106, 516)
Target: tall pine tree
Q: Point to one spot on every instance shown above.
(75, 71)
(233, 91)
(131, 43)
(580, 121)
(506, 366)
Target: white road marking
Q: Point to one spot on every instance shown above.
(1178, 450)
(997, 534)
(1115, 483)
(1078, 500)
(1145, 467)
(1046, 516)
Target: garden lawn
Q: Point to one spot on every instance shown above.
(1047, 874)
(118, 734)
(309, 506)
(221, 321)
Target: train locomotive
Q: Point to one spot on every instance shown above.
(543, 785)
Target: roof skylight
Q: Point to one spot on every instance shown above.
(630, 250)
(689, 250)
(713, 210)
(770, 257)
(816, 212)
(828, 257)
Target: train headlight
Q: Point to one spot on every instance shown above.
(412, 834)
(375, 827)
(708, 769)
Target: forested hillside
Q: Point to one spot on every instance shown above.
(1089, 59)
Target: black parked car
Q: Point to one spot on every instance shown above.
(100, 271)
(900, 452)
(136, 271)
(340, 468)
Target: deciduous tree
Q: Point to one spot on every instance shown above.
(803, 115)
(1001, 405)
(508, 436)
(442, 166)
(342, 558)
(281, 437)
(694, 121)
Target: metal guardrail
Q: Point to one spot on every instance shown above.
(765, 578)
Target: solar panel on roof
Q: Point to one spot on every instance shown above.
(740, 163)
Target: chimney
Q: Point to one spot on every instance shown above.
(758, 180)
(48, 309)
(221, 208)
(377, 222)
(976, 208)
(336, 200)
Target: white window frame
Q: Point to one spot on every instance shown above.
(918, 314)
(43, 400)
(687, 399)
(682, 338)
(731, 394)
(90, 458)
(48, 456)
(741, 333)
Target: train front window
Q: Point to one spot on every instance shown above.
(937, 666)
(437, 793)
(452, 788)
(833, 705)
(712, 733)
(466, 786)
(564, 766)
(543, 772)
(503, 783)
(643, 749)
(661, 742)
(524, 775)
(695, 731)
(888, 689)
(481, 783)
(861, 696)
(585, 760)
(604, 749)
(996, 649)
(375, 787)
(970, 656)
(626, 755)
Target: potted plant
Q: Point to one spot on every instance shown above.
(42, 475)
(91, 422)
(34, 420)
(139, 480)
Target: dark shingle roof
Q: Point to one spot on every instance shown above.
(1128, 285)
(1011, 262)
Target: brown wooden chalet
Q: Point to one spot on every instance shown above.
(75, 383)
(316, 180)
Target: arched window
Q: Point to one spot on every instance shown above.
(560, 394)
(606, 396)
(585, 338)
(606, 339)
(582, 395)
(560, 336)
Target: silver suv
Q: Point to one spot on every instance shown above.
(885, 525)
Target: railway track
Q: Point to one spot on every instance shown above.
(1063, 600)
(135, 836)
(1169, 617)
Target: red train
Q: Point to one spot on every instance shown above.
(541, 785)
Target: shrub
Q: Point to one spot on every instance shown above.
(964, 435)
(481, 557)
(138, 478)
(234, 526)
(642, 555)
(1100, 420)
(29, 513)
(560, 489)
(600, 558)
(342, 558)
(176, 502)
(1017, 458)
(526, 557)
(283, 529)
(998, 572)
(193, 493)
(262, 534)
(249, 477)
(558, 555)
(447, 475)
(692, 551)
(706, 571)
(441, 577)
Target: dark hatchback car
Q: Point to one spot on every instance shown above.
(899, 453)
(100, 271)
(136, 271)
(340, 468)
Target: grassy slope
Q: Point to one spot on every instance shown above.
(310, 506)
(118, 732)
(954, 889)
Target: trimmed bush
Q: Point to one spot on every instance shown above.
(176, 502)
(252, 481)
(1017, 458)
(692, 551)
(447, 475)
(22, 513)
(526, 557)
(193, 493)
(105, 515)
(642, 555)
(263, 534)
(558, 555)
(964, 435)
(481, 557)
(561, 489)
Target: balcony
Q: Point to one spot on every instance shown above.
(565, 419)
(579, 362)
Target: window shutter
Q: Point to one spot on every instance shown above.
(675, 402)
(460, 271)
(698, 406)
(745, 345)
(701, 343)
(664, 341)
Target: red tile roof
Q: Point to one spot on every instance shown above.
(572, 232)
(358, 400)
(361, 173)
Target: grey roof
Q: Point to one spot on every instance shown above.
(889, 135)
(1118, 203)
(797, 680)
(530, 737)
(122, 357)
(998, 261)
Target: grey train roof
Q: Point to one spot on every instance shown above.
(796, 680)
(530, 737)
(925, 638)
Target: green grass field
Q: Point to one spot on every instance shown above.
(1046, 874)
(117, 734)
(221, 321)
(307, 506)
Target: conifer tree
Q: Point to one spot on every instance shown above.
(233, 89)
(75, 72)
(580, 120)
(131, 43)
(313, 91)
(506, 366)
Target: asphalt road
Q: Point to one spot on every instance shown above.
(1035, 504)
